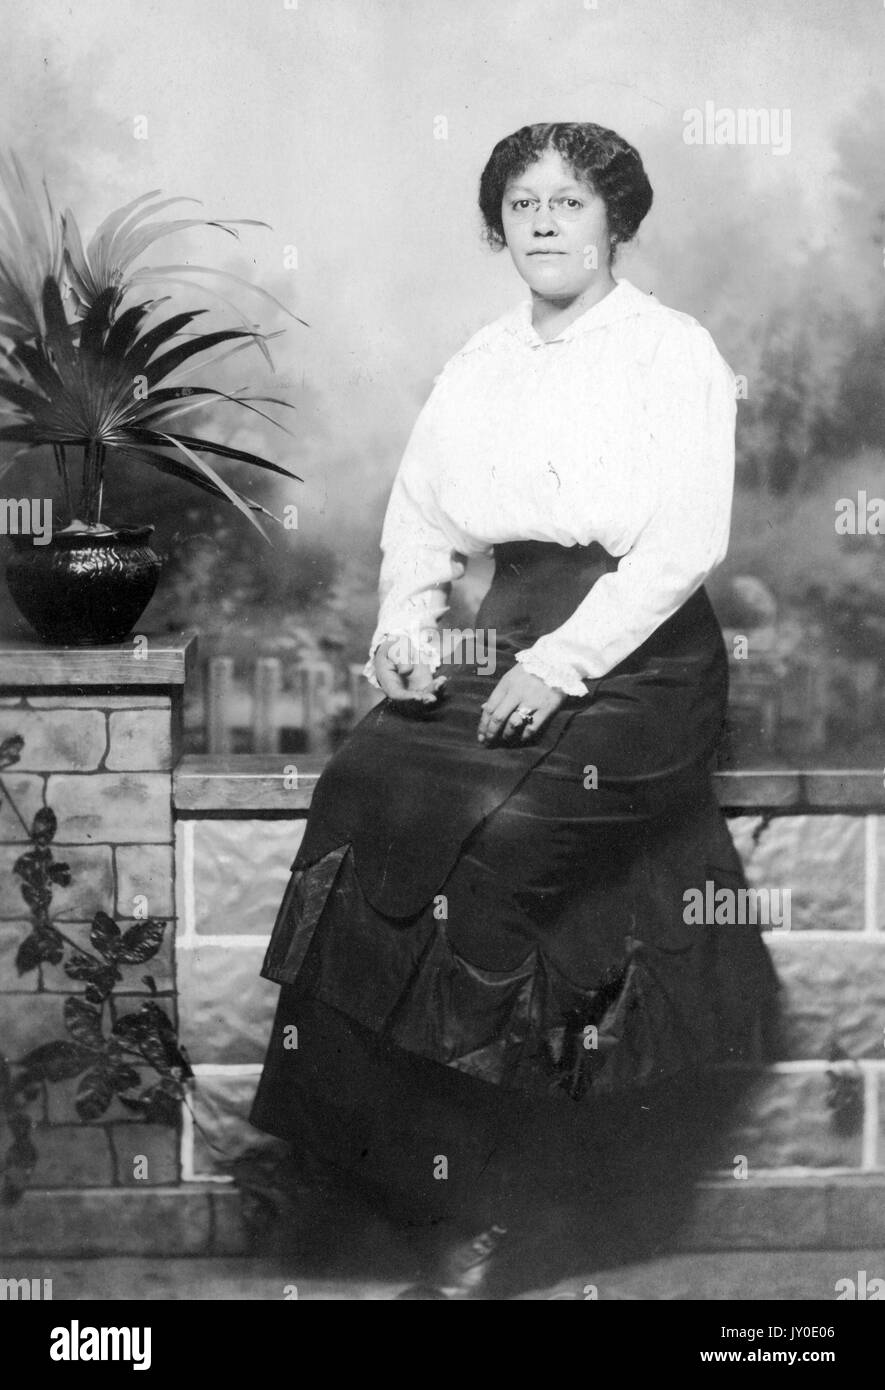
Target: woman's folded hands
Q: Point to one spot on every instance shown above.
(517, 709)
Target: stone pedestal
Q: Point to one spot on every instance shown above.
(102, 733)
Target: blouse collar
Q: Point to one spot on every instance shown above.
(624, 301)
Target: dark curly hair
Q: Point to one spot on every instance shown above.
(598, 157)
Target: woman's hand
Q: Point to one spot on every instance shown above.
(402, 676)
(517, 690)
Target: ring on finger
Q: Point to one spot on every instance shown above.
(523, 714)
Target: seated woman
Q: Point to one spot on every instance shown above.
(505, 1021)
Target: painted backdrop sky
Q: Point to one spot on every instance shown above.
(323, 119)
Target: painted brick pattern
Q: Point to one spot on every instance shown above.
(831, 965)
(144, 872)
(139, 739)
(241, 868)
(221, 1105)
(834, 993)
(788, 1123)
(820, 859)
(68, 739)
(102, 761)
(27, 791)
(146, 1155)
(109, 806)
(229, 1007)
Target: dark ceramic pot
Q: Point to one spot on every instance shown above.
(84, 590)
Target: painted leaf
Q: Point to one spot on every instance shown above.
(57, 1061)
(141, 942)
(94, 1094)
(29, 954)
(42, 945)
(83, 1022)
(124, 1077)
(10, 750)
(105, 935)
(44, 826)
(60, 874)
(100, 978)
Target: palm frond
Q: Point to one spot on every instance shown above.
(22, 433)
(161, 367)
(24, 398)
(30, 250)
(228, 352)
(177, 468)
(209, 472)
(161, 272)
(121, 238)
(125, 329)
(57, 336)
(33, 362)
(209, 446)
(169, 402)
(144, 348)
(191, 285)
(90, 271)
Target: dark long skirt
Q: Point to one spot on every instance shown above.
(484, 950)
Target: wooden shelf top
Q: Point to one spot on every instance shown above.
(245, 784)
(144, 659)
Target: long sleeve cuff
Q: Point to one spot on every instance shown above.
(557, 674)
(424, 646)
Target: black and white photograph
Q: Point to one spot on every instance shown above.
(442, 661)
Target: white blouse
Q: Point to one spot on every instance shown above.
(620, 430)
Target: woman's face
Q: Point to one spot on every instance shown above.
(556, 229)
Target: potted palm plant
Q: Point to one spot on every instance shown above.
(97, 369)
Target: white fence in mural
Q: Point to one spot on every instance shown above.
(309, 698)
(260, 710)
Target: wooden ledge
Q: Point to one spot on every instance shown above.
(245, 783)
(848, 791)
(144, 659)
(281, 783)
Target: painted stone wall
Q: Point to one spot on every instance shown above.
(831, 964)
(100, 755)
